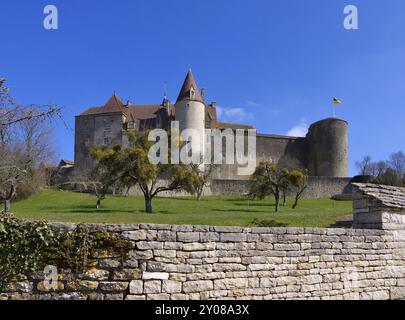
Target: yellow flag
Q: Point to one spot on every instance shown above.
(337, 101)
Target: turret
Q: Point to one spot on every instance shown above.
(328, 148)
(190, 110)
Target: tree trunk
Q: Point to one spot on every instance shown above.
(297, 197)
(296, 201)
(199, 195)
(277, 197)
(284, 198)
(98, 204)
(148, 205)
(7, 206)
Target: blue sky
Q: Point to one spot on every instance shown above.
(272, 63)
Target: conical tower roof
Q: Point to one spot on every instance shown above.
(189, 90)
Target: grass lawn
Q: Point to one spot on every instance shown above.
(53, 205)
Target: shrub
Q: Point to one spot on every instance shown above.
(267, 223)
(28, 246)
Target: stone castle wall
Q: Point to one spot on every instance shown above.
(202, 262)
(318, 187)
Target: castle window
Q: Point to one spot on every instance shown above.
(131, 125)
(192, 93)
(87, 142)
(106, 140)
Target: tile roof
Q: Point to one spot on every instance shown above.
(388, 196)
(113, 104)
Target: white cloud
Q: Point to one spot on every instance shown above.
(299, 130)
(251, 103)
(231, 114)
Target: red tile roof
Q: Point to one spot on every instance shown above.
(113, 104)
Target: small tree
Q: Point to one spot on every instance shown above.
(136, 170)
(267, 180)
(107, 171)
(299, 181)
(204, 173)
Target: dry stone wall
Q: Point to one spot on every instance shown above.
(204, 262)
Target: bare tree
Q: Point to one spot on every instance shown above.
(364, 165)
(12, 113)
(378, 168)
(397, 163)
(36, 135)
(13, 172)
(23, 143)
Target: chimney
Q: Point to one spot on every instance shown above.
(203, 94)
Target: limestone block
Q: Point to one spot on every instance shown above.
(136, 287)
(228, 267)
(95, 274)
(165, 253)
(159, 296)
(197, 286)
(188, 236)
(209, 236)
(127, 274)
(145, 245)
(230, 284)
(199, 246)
(113, 286)
(141, 254)
(135, 297)
(166, 235)
(155, 275)
(233, 237)
(152, 286)
(170, 286)
(82, 285)
(267, 282)
(134, 235)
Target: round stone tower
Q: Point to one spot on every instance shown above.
(190, 111)
(328, 148)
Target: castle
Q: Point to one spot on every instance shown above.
(324, 150)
